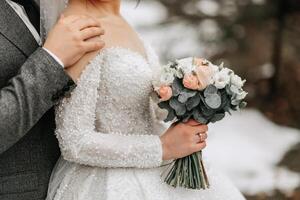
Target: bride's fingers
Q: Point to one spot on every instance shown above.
(199, 129)
(201, 137)
(91, 32)
(192, 122)
(199, 146)
(196, 139)
(93, 45)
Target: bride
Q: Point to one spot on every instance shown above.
(112, 142)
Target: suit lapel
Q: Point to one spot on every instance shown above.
(14, 29)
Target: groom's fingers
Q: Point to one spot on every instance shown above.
(91, 32)
(84, 23)
(90, 46)
(70, 19)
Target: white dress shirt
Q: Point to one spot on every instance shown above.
(22, 14)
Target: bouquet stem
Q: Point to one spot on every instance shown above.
(188, 172)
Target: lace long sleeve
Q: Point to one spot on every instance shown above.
(81, 143)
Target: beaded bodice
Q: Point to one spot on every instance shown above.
(125, 87)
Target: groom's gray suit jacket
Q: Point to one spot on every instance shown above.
(31, 82)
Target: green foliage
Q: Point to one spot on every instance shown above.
(177, 87)
(188, 172)
(210, 90)
(179, 107)
(205, 106)
(193, 102)
(199, 117)
(185, 94)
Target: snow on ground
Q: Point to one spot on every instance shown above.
(246, 146)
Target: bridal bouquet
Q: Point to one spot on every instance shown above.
(194, 88)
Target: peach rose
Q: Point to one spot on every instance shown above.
(191, 81)
(165, 93)
(204, 75)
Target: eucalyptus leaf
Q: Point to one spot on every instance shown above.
(234, 108)
(210, 90)
(217, 117)
(202, 97)
(225, 102)
(206, 110)
(185, 94)
(171, 112)
(199, 117)
(191, 93)
(193, 102)
(213, 101)
(171, 116)
(228, 111)
(228, 90)
(186, 118)
(179, 108)
(182, 98)
(177, 86)
(243, 104)
(227, 108)
(164, 105)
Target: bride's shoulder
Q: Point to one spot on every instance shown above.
(77, 69)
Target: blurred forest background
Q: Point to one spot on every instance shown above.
(260, 39)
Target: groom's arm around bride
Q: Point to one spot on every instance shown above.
(41, 80)
(31, 81)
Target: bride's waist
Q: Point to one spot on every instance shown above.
(137, 127)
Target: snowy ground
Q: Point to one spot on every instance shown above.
(246, 146)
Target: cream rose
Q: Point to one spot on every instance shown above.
(199, 62)
(205, 76)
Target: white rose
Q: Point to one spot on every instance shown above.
(237, 81)
(215, 68)
(167, 78)
(186, 65)
(234, 89)
(241, 95)
(227, 71)
(222, 78)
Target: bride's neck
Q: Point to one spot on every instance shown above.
(95, 8)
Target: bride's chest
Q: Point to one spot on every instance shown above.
(125, 75)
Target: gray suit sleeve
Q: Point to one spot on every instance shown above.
(39, 84)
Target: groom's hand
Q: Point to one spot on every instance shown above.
(69, 39)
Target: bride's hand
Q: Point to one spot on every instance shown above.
(183, 139)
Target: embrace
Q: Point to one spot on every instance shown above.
(76, 118)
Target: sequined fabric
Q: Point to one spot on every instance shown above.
(108, 132)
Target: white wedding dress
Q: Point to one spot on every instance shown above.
(108, 132)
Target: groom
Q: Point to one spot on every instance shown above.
(32, 80)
